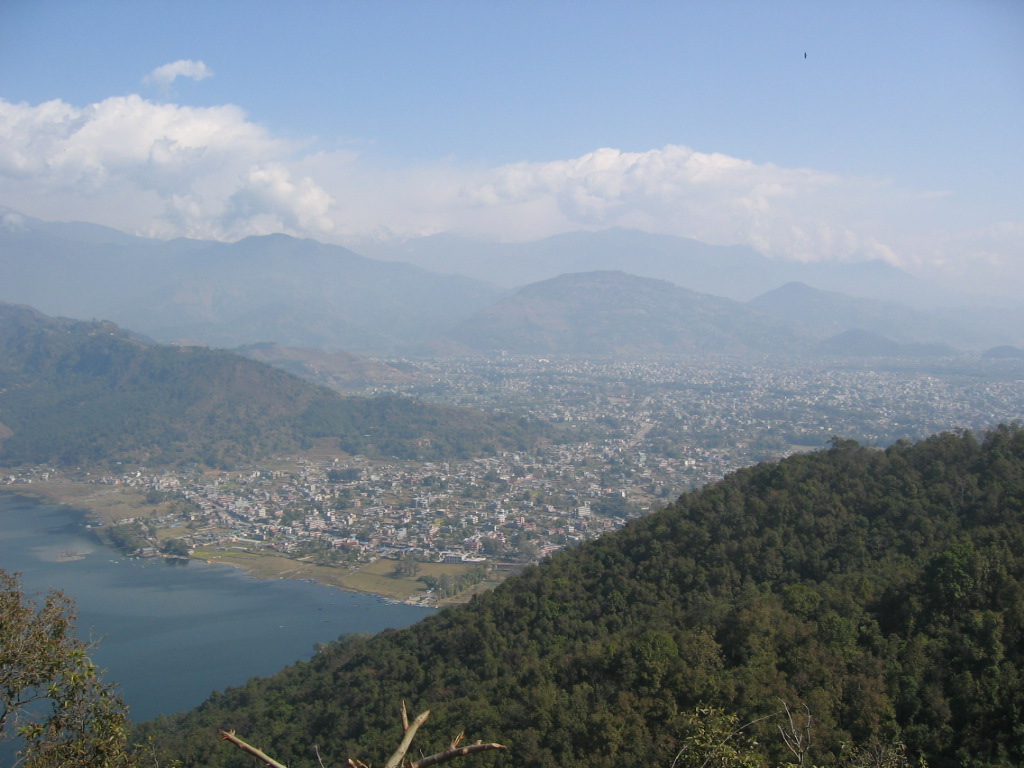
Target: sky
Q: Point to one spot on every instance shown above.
(807, 130)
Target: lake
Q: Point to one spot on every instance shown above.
(171, 634)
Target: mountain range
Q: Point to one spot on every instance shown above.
(465, 297)
(736, 272)
(276, 288)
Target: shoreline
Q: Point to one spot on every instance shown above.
(109, 505)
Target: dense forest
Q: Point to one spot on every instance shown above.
(85, 392)
(875, 595)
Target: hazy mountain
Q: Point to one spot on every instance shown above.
(301, 293)
(617, 313)
(274, 288)
(1004, 352)
(821, 314)
(736, 272)
(878, 595)
(77, 392)
(860, 343)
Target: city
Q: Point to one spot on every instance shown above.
(634, 435)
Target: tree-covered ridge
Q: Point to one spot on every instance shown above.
(75, 392)
(882, 590)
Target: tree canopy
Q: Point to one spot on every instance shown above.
(52, 697)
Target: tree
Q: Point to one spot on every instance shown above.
(407, 567)
(51, 694)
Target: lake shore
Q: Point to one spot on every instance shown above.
(107, 503)
(170, 633)
(110, 504)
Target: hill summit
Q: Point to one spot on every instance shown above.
(612, 313)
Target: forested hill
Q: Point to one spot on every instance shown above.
(883, 590)
(82, 392)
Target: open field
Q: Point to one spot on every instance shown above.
(267, 565)
(375, 578)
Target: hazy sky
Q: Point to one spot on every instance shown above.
(897, 136)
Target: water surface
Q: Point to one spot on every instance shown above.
(171, 634)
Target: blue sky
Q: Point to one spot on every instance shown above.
(897, 137)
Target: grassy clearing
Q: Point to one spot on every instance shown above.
(376, 578)
(266, 565)
(382, 583)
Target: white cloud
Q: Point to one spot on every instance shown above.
(187, 167)
(170, 170)
(168, 73)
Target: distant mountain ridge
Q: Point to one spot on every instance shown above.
(304, 294)
(732, 271)
(274, 288)
(74, 392)
(602, 313)
(821, 314)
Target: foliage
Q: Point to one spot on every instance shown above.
(712, 738)
(882, 590)
(51, 694)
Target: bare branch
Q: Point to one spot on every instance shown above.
(259, 755)
(397, 759)
(797, 739)
(448, 754)
(410, 732)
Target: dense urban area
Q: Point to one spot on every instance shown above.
(644, 431)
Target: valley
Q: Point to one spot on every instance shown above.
(636, 433)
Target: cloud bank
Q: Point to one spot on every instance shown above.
(168, 170)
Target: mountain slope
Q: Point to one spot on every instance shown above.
(341, 369)
(613, 312)
(75, 392)
(883, 590)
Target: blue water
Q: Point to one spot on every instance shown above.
(170, 635)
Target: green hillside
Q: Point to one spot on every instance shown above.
(880, 591)
(83, 392)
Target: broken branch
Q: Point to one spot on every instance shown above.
(258, 754)
(448, 754)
